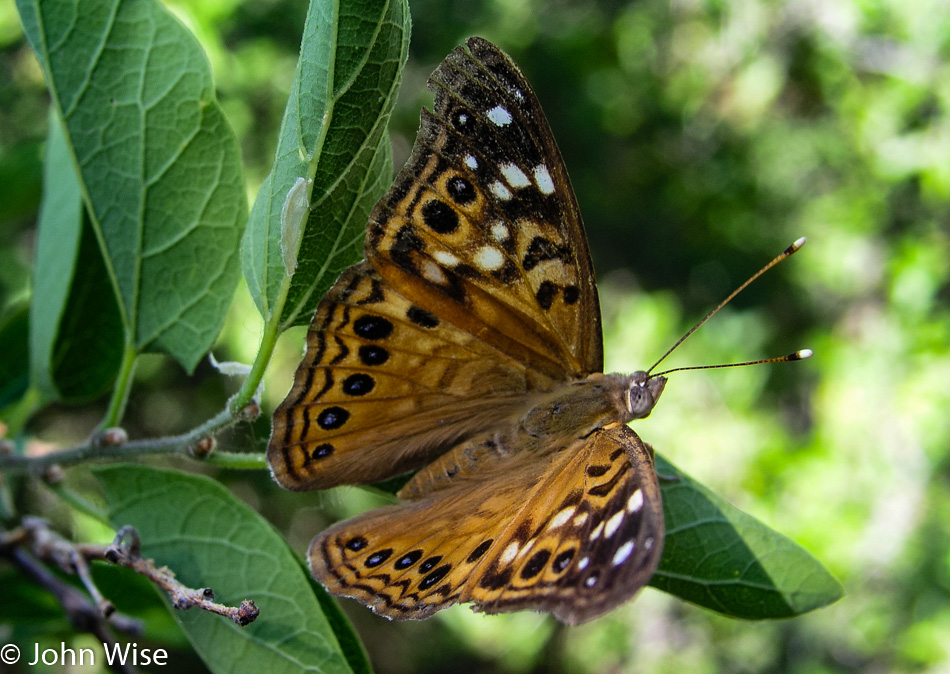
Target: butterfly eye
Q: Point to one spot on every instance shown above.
(640, 401)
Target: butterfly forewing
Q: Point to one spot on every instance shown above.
(573, 533)
(376, 369)
(482, 222)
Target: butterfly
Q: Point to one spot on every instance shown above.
(467, 347)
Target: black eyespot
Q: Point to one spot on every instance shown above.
(332, 418)
(358, 384)
(322, 451)
(408, 559)
(372, 327)
(571, 294)
(535, 565)
(377, 558)
(356, 544)
(479, 551)
(461, 190)
(373, 355)
(421, 317)
(562, 561)
(439, 217)
(546, 294)
(429, 564)
(434, 577)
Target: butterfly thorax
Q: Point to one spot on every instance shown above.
(578, 408)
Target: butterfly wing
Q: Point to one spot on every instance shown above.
(385, 386)
(478, 289)
(482, 226)
(574, 533)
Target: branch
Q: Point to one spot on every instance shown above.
(124, 551)
(112, 444)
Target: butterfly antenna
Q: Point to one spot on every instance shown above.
(798, 355)
(801, 354)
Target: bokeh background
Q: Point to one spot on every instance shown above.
(702, 137)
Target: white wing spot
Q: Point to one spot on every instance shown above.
(432, 273)
(595, 534)
(500, 191)
(580, 519)
(613, 524)
(471, 162)
(623, 552)
(635, 502)
(591, 581)
(489, 258)
(445, 258)
(499, 116)
(543, 179)
(581, 565)
(514, 175)
(500, 231)
(510, 553)
(648, 544)
(562, 517)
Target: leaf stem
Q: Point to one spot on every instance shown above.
(238, 460)
(123, 386)
(272, 330)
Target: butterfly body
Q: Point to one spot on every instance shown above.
(555, 421)
(467, 347)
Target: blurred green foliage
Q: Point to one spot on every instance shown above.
(702, 137)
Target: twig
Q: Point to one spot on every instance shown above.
(125, 552)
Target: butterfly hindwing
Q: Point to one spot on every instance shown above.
(573, 533)
(592, 543)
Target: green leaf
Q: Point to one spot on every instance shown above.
(158, 165)
(333, 132)
(211, 539)
(724, 559)
(353, 651)
(75, 326)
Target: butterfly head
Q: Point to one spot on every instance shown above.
(642, 392)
